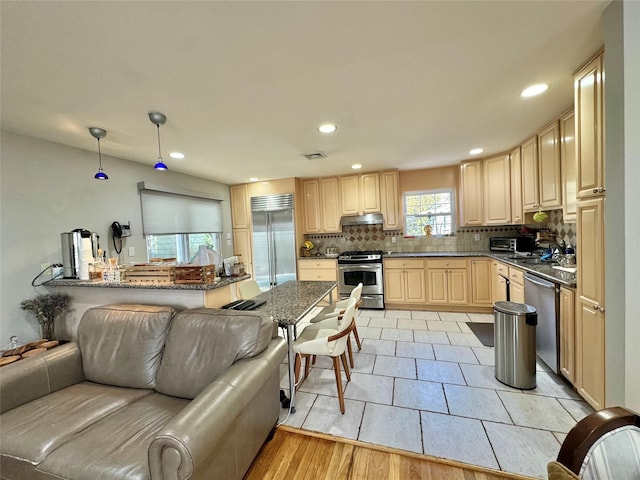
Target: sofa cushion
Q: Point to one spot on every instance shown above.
(32, 431)
(204, 342)
(615, 455)
(116, 446)
(122, 344)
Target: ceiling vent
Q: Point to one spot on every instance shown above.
(315, 155)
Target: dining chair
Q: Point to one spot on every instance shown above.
(323, 339)
(248, 289)
(337, 308)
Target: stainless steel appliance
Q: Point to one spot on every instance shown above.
(362, 267)
(71, 245)
(512, 244)
(274, 245)
(544, 296)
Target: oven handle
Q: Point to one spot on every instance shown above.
(359, 267)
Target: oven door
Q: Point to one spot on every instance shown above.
(369, 274)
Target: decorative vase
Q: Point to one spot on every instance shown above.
(48, 330)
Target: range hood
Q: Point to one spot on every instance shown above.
(368, 219)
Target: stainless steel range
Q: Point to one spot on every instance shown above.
(366, 268)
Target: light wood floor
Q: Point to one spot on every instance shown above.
(300, 455)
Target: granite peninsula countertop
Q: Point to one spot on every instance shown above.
(544, 270)
(223, 282)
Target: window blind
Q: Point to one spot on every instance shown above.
(166, 213)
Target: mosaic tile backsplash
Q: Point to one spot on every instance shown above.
(466, 239)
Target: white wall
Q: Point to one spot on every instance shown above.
(47, 189)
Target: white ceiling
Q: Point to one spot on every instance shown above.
(244, 85)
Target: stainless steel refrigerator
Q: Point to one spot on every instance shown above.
(274, 243)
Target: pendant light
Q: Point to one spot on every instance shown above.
(99, 133)
(158, 119)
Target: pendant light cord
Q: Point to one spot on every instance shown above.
(159, 151)
(99, 155)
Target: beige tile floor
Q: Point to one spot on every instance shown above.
(424, 383)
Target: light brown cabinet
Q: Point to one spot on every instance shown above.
(317, 270)
(481, 281)
(567, 333)
(472, 192)
(589, 125)
(529, 157)
(404, 281)
(390, 200)
(321, 205)
(447, 282)
(517, 215)
(242, 247)
(516, 284)
(500, 275)
(240, 211)
(590, 310)
(549, 174)
(568, 166)
(360, 194)
(497, 189)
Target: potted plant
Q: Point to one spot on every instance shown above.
(47, 308)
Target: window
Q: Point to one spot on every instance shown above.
(429, 207)
(176, 223)
(182, 246)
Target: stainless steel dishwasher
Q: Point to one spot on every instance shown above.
(544, 296)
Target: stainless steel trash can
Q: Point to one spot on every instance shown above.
(515, 344)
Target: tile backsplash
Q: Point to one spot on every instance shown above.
(466, 239)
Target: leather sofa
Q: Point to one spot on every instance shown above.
(145, 393)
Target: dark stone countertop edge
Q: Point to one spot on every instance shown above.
(545, 271)
(223, 282)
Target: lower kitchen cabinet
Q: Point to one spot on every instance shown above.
(500, 274)
(318, 270)
(404, 281)
(447, 282)
(590, 351)
(481, 280)
(568, 333)
(516, 285)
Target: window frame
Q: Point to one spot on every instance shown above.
(430, 191)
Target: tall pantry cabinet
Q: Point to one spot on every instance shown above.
(590, 192)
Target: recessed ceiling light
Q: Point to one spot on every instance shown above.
(177, 155)
(327, 128)
(253, 179)
(475, 151)
(356, 166)
(534, 90)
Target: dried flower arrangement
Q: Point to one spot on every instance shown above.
(46, 308)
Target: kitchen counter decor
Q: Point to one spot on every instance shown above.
(47, 308)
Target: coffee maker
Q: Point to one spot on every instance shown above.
(72, 250)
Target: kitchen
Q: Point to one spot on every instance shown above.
(27, 165)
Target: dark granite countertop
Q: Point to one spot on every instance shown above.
(322, 256)
(544, 270)
(289, 302)
(223, 282)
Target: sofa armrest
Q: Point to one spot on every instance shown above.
(191, 437)
(34, 377)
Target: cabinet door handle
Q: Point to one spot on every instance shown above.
(599, 190)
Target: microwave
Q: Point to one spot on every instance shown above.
(512, 244)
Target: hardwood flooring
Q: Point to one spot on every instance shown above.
(300, 455)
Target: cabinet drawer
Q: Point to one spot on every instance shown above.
(317, 275)
(502, 269)
(313, 264)
(447, 263)
(403, 263)
(516, 276)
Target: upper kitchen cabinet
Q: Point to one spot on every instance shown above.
(240, 215)
(568, 166)
(589, 95)
(529, 158)
(321, 205)
(390, 200)
(549, 178)
(360, 194)
(517, 215)
(471, 193)
(497, 190)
